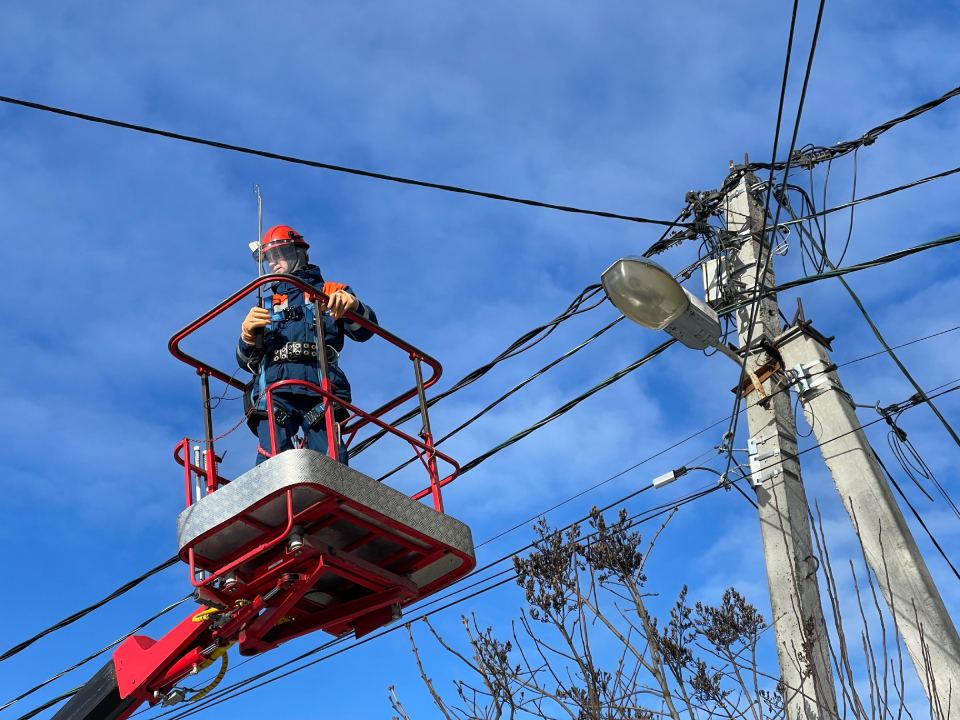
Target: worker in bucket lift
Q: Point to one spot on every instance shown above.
(290, 346)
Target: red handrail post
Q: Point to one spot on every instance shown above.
(210, 457)
(185, 444)
(427, 435)
(271, 419)
(433, 472)
(333, 446)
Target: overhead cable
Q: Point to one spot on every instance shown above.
(783, 95)
(876, 262)
(912, 464)
(566, 407)
(479, 570)
(86, 611)
(694, 228)
(901, 345)
(916, 514)
(520, 345)
(511, 391)
(560, 411)
(906, 405)
(50, 703)
(839, 272)
(116, 642)
(811, 155)
(329, 166)
(899, 364)
(866, 198)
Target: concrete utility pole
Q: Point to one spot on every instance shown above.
(802, 642)
(922, 619)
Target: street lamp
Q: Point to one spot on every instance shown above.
(650, 296)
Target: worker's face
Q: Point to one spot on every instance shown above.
(279, 265)
(282, 258)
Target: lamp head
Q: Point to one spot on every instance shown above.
(644, 292)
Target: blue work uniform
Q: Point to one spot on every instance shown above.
(289, 334)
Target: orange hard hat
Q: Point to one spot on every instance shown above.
(283, 247)
(280, 234)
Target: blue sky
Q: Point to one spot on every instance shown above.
(118, 239)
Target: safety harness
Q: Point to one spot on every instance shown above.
(290, 352)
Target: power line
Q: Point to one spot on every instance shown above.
(902, 345)
(220, 697)
(835, 272)
(519, 436)
(903, 450)
(810, 155)
(783, 95)
(526, 341)
(511, 391)
(908, 404)
(838, 272)
(867, 198)
(554, 415)
(86, 611)
(689, 498)
(603, 482)
(49, 704)
(329, 166)
(690, 437)
(903, 368)
(116, 642)
(805, 158)
(916, 515)
(519, 386)
(566, 407)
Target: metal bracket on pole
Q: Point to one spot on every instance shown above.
(756, 459)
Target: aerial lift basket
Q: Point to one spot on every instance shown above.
(297, 544)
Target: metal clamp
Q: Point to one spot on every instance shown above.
(802, 378)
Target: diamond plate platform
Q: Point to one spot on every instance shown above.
(372, 521)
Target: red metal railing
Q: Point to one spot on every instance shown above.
(357, 419)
